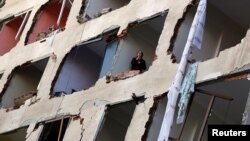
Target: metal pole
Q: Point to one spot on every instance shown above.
(60, 130)
(61, 12)
(22, 25)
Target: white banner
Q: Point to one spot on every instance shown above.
(173, 93)
(199, 26)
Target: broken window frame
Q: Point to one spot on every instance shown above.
(26, 14)
(209, 108)
(106, 112)
(212, 96)
(69, 118)
(24, 22)
(61, 11)
(19, 33)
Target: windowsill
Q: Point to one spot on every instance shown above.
(122, 75)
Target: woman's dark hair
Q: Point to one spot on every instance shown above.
(141, 53)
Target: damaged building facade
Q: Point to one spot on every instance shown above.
(65, 68)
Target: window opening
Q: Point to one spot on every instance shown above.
(22, 84)
(142, 35)
(16, 135)
(224, 28)
(85, 64)
(11, 30)
(116, 121)
(95, 8)
(51, 18)
(54, 131)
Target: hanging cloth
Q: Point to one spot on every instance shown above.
(175, 87)
(187, 88)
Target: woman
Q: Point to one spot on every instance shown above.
(137, 63)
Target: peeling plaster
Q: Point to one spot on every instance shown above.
(30, 129)
(74, 130)
(151, 114)
(137, 125)
(178, 25)
(35, 134)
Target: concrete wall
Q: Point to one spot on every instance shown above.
(95, 6)
(220, 33)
